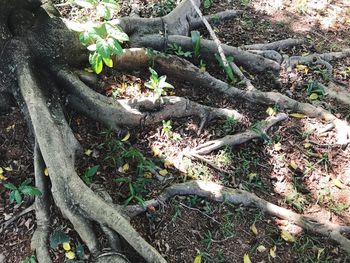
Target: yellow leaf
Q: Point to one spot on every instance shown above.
(163, 172)
(9, 169)
(70, 255)
(168, 164)
(88, 152)
(148, 175)
(66, 246)
(277, 146)
(125, 167)
(313, 96)
(156, 151)
(1, 170)
(198, 259)
(338, 183)
(127, 136)
(254, 229)
(271, 111)
(302, 68)
(293, 164)
(252, 176)
(2, 178)
(261, 248)
(287, 236)
(46, 172)
(9, 128)
(246, 259)
(273, 251)
(297, 115)
(307, 145)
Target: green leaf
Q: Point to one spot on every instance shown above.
(127, 201)
(196, 42)
(96, 62)
(92, 171)
(80, 251)
(111, 4)
(122, 180)
(139, 200)
(12, 197)
(58, 237)
(115, 47)
(102, 48)
(108, 62)
(86, 3)
(86, 38)
(26, 181)
(104, 11)
(132, 190)
(116, 32)
(10, 186)
(31, 191)
(153, 72)
(18, 196)
(92, 47)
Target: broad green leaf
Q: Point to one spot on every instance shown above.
(103, 11)
(96, 62)
(58, 237)
(10, 186)
(12, 196)
(92, 171)
(116, 32)
(108, 62)
(111, 4)
(196, 42)
(30, 190)
(18, 196)
(86, 38)
(102, 48)
(153, 72)
(115, 47)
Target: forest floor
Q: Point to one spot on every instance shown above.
(295, 167)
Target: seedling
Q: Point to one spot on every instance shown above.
(135, 189)
(314, 90)
(177, 50)
(16, 193)
(167, 128)
(89, 173)
(196, 43)
(208, 239)
(207, 3)
(29, 259)
(163, 7)
(104, 8)
(158, 84)
(230, 125)
(227, 69)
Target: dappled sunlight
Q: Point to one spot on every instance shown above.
(211, 187)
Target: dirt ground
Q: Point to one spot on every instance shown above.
(295, 167)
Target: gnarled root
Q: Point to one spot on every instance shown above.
(220, 193)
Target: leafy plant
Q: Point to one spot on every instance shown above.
(208, 239)
(89, 173)
(227, 69)
(207, 3)
(103, 41)
(196, 43)
(104, 8)
(230, 125)
(177, 50)
(135, 189)
(158, 84)
(57, 238)
(167, 128)
(163, 7)
(29, 259)
(16, 193)
(314, 90)
(297, 200)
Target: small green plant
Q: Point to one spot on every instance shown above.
(314, 90)
(163, 7)
(224, 157)
(167, 128)
(208, 239)
(158, 84)
(16, 193)
(230, 125)
(244, 2)
(207, 3)
(337, 208)
(29, 259)
(227, 69)
(196, 43)
(177, 50)
(227, 227)
(89, 173)
(256, 127)
(297, 200)
(199, 171)
(135, 189)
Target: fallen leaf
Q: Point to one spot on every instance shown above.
(88, 152)
(9, 169)
(70, 255)
(273, 251)
(46, 172)
(198, 259)
(261, 248)
(252, 176)
(168, 164)
(293, 164)
(66, 246)
(127, 136)
(2, 178)
(271, 111)
(302, 68)
(163, 172)
(246, 259)
(155, 151)
(277, 146)
(313, 96)
(9, 128)
(338, 183)
(307, 145)
(287, 236)
(297, 115)
(1, 170)
(148, 175)
(254, 229)
(125, 167)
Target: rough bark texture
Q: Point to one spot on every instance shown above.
(37, 54)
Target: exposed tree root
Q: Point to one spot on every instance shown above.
(17, 216)
(277, 45)
(220, 193)
(258, 131)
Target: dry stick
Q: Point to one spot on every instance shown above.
(234, 67)
(220, 193)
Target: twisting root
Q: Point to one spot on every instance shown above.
(220, 193)
(277, 45)
(255, 132)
